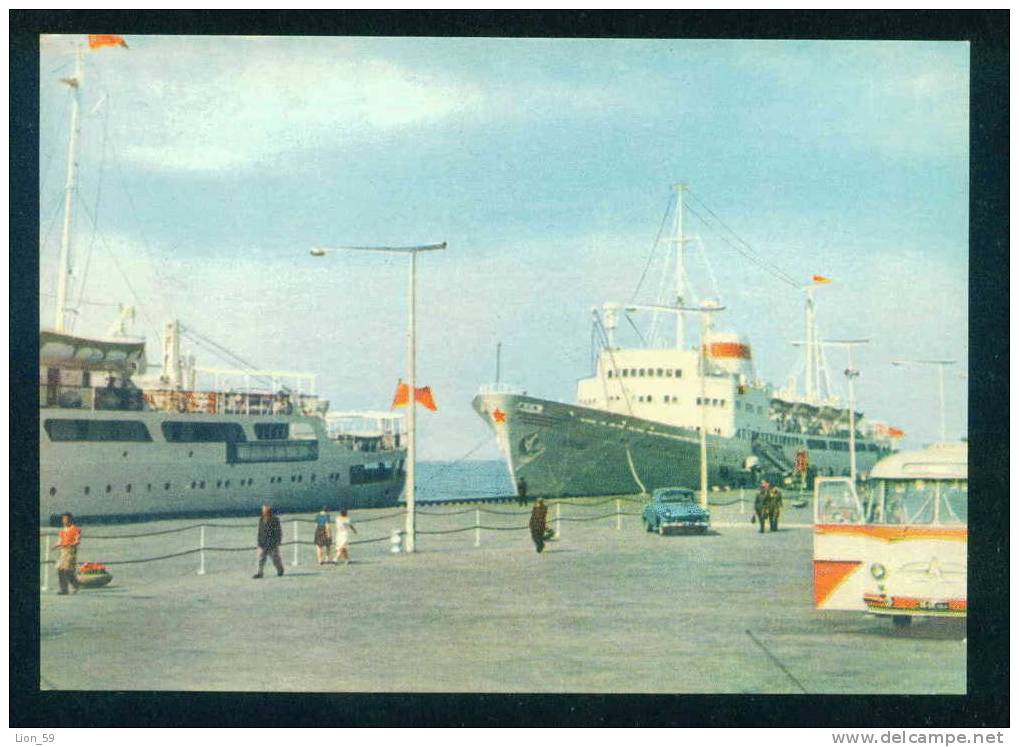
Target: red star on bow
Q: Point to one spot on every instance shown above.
(498, 415)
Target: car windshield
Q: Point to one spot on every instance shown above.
(676, 496)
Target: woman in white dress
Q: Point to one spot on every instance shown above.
(341, 537)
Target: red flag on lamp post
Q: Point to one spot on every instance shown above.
(97, 41)
(821, 280)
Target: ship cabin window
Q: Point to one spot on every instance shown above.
(666, 398)
(659, 373)
(649, 398)
(721, 402)
(626, 373)
(272, 431)
(610, 374)
(679, 373)
(668, 373)
(66, 429)
(180, 432)
(642, 372)
(698, 400)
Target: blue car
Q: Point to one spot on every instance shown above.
(675, 510)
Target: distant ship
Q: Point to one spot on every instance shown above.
(636, 423)
(116, 443)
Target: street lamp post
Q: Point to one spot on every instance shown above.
(940, 363)
(851, 374)
(705, 310)
(411, 365)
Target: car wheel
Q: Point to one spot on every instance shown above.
(647, 525)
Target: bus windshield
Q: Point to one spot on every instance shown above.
(920, 502)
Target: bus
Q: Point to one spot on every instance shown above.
(899, 548)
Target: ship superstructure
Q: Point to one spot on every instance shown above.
(637, 420)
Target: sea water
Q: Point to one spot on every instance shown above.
(436, 481)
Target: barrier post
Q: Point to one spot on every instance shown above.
(395, 541)
(741, 511)
(558, 506)
(46, 567)
(201, 547)
(619, 516)
(296, 546)
(477, 527)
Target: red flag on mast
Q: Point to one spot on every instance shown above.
(96, 41)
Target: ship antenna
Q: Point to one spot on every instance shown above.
(72, 158)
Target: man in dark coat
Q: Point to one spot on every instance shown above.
(270, 535)
(537, 524)
(522, 491)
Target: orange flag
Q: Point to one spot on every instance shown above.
(422, 395)
(96, 41)
(821, 279)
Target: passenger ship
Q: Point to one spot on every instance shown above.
(112, 446)
(636, 423)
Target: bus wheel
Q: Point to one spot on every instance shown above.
(902, 621)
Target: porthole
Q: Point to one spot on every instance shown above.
(109, 488)
(313, 478)
(191, 454)
(226, 484)
(149, 487)
(202, 484)
(53, 491)
(128, 488)
(87, 490)
(219, 483)
(124, 454)
(193, 484)
(166, 486)
(300, 478)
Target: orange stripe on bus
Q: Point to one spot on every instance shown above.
(894, 533)
(828, 574)
(909, 603)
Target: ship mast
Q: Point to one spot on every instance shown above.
(69, 186)
(680, 264)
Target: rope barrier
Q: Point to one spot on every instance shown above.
(145, 534)
(384, 516)
(369, 541)
(586, 518)
(447, 513)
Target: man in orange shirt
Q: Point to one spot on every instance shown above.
(67, 565)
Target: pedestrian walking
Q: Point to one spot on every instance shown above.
(773, 506)
(67, 564)
(522, 492)
(343, 528)
(537, 524)
(760, 505)
(323, 536)
(270, 535)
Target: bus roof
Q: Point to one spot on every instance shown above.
(946, 461)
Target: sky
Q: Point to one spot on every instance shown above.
(210, 166)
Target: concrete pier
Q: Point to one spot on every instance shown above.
(601, 610)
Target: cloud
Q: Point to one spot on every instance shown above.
(209, 104)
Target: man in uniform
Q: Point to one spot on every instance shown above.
(537, 524)
(760, 505)
(773, 505)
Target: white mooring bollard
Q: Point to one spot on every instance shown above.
(477, 527)
(201, 547)
(557, 509)
(619, 515)
(297, 559)
(395, 542)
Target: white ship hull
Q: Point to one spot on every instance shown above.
(158, 478)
